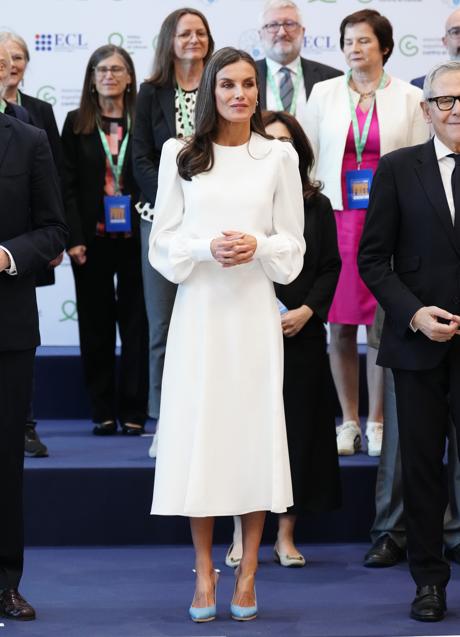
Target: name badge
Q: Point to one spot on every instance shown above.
(358, 187)
(117, 213)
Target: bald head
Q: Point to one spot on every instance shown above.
(5, 68)
(451, 39)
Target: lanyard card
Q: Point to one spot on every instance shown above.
(358, 187)
(117, 213)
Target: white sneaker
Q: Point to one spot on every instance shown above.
(154, 446)
(374, 435)
(348, 438)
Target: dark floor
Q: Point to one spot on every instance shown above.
(145, 592)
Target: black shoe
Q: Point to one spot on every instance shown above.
(34, 447)
(384, 552)
(132, 429)
(453, 554)
(429, 604)
(106, 428)
(14, 606)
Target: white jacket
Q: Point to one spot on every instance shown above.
(328, 119)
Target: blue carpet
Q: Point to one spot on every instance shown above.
(145, 592)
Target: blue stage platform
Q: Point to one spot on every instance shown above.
(94, 490)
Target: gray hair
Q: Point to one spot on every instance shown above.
(9, 36)
(439, 69)
(279, 4)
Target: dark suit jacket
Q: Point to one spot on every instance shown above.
(418, 81)
(315, 285)
(408, 219)
(41, 115)
(32, 226)
(83, 178)
(312, 72)
(19, 112)
(155, 124)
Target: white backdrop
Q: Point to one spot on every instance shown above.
(61, 34)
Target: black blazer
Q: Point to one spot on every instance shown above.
(155, 124)
(41, 115)
(408, 221)
(32, 226)
(418, 81)
(315, 285)
(312, 72)
(83, 176)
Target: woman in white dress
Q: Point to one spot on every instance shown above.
(228, 223)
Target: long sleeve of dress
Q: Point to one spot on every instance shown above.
(281, 253)
(170, 252)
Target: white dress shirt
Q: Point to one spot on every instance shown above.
(295, 68)
(446, 168)
(12, 269)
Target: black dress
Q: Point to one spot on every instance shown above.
(309, 408)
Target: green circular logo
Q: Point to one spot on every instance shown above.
(408, 45)
(69, 311)
(116, 38)
(47, 94)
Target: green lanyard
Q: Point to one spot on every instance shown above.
(276, 92)
(188, 126)
(2, 106)
(18, 98)
(116, 170)
(360, 140)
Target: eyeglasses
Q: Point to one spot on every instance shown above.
(187, 35)
(3, 65)
(114, 70)
(454, 32)
(445, 102)
(288, 25)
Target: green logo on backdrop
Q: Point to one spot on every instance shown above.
(46, 93)
(69, 311)
(408, 45)
(116, 38)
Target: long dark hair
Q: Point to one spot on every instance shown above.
(302, 147)
(89, 113)
(198, 156)
(163, 63)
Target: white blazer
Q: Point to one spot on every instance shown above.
(328, 119)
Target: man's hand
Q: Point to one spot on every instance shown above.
(57, 261)
(77, 254)
(426, 320)
(4, 260)
(294, 320)
(234, 248)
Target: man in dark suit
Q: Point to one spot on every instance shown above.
(451, 41)
(413, 221)
(286, 79)
(32, 233)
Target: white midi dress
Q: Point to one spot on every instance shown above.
(222, 446)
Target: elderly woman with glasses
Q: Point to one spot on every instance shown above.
(351, 122)
(104, 244)
(165, 109)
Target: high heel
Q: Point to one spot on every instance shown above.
(205, 613)
(242, 613)
(291, 561)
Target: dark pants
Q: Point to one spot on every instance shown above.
(103, 304)
(16, 370)
(425, 401)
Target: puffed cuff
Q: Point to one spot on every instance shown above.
(262, 249)
(200, 249)
(12, 271)
(411, 324)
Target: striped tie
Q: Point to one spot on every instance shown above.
(286, 88)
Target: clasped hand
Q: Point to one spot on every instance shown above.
(426, 320)
(233, 248)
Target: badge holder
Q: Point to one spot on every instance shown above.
(117, 211)
(358, 188)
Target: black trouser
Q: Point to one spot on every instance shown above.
(102, 304)
(16, 370)
(425, 401)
